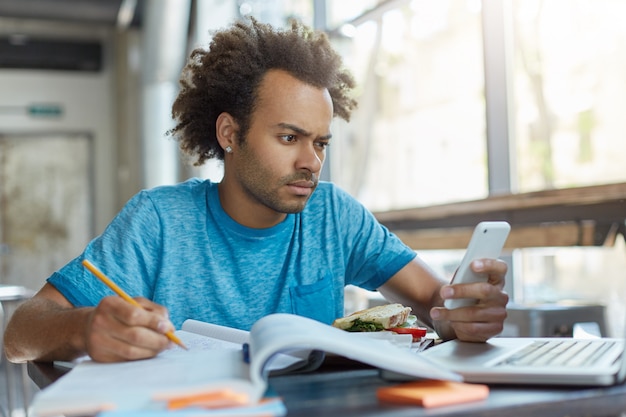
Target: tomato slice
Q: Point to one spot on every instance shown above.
(416, 332)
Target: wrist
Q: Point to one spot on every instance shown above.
(79, 332)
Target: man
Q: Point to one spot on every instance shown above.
(268, 238)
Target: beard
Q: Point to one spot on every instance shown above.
(262, 184)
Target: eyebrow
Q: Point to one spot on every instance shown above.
(301, 131)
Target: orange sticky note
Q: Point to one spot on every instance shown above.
(430, 394)
(214, 399)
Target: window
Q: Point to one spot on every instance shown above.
(569, 92)
(418, 137)
(568, 95)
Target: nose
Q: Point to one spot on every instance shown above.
(310, 158)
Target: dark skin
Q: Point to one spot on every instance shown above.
(272, 173)
(50, 328)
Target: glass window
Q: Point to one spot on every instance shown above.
(277, 12)
(418, 137)
(569, 92)
(340, 12)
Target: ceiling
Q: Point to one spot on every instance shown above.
(71, 51)
(106, 12)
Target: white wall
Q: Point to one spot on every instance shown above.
(87, 99)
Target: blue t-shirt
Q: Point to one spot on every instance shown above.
(176, 246)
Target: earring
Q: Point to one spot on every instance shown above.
(228, 149)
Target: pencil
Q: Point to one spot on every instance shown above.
(170, 335)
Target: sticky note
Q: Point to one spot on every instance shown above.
(429, 394)
(212, 399)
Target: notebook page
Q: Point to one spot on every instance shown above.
(216, 331)
(92, 387)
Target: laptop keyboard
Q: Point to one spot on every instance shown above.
(560, 353)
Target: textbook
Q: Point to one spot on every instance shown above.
(223, 366)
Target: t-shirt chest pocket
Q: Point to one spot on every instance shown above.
(315, 301)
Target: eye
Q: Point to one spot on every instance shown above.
(322, 144)
(288, 138)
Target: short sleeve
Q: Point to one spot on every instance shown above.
(374, 253)
(127, 252)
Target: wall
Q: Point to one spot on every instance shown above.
(88, 100)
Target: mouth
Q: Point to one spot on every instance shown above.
(303, 187)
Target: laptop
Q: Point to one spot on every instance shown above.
(534, 360)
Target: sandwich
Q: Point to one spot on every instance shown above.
(390, 317)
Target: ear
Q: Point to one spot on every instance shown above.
(226, 130)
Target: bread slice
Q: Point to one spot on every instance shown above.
(387, 316)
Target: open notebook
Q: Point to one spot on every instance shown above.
(221, 365)
(528, 360)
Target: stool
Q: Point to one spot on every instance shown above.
(10, 297)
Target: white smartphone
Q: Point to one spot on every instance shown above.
(487, 242)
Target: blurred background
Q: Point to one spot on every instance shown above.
(460, 100)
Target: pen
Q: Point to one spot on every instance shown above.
(170, 335)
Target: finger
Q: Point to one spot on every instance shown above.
(159, 321)
(475, 323)
(111, 340)
(107, 348)
(152, 316)
(146, 327)
(476, 332)
(479, 291)
(152, 306)
(479, 313)
(485, 323)
(116, 325)
(495, 269)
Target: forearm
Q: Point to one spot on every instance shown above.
(43, 330)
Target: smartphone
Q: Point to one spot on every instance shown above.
(487, 242)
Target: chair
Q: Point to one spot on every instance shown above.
(10, 297)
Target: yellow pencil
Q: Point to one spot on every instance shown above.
(170, 335)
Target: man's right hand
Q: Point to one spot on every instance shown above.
(48, 327)
(118, 331)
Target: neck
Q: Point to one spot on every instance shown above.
(245, 210)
